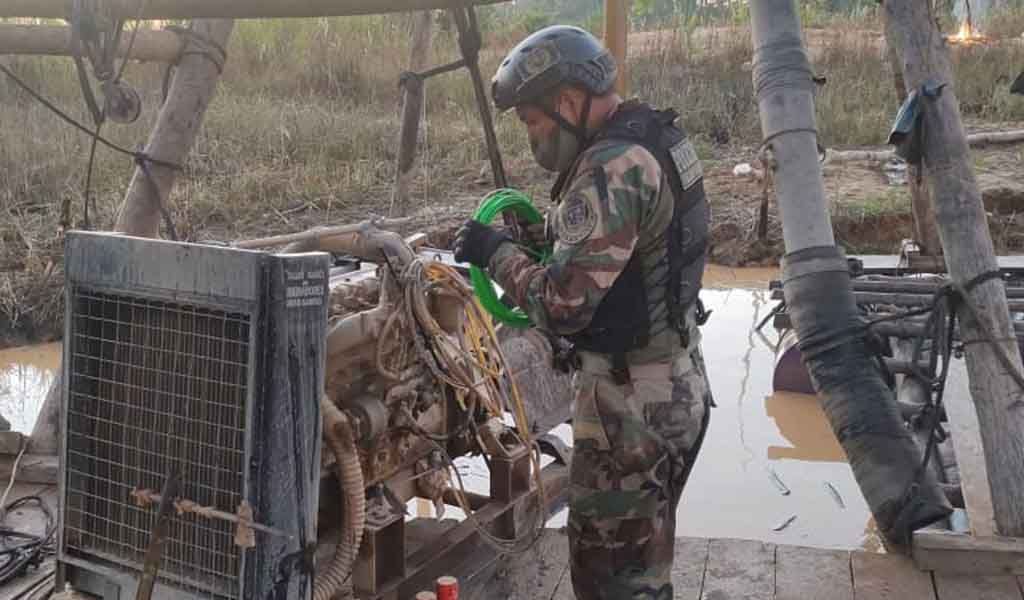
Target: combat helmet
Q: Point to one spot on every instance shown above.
(548, 58)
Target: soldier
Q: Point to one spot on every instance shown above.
(630, 229)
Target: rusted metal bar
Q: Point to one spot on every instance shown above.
(232, 9)
(55, 40)
(151, 564)
(440, 557)
(146, 497)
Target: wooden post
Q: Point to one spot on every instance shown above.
(969, 252)
(195, 81)
(926, 231)
(412, 107)
(149, 45)
(616, 39)
(171, 140)
(232, 9)
(816, 281)
(469, 45)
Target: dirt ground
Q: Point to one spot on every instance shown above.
(869, 215)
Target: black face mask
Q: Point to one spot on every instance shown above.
(558, 152)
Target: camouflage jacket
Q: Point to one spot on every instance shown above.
(599, 223)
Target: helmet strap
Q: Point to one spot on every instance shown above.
(580, 130)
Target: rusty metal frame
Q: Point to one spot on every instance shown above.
(460, 549)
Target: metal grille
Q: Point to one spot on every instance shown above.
(156, 386)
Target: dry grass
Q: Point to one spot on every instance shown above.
(303, 131)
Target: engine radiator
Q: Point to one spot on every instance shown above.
(205, 361)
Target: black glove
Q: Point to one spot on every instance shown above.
(476, 243)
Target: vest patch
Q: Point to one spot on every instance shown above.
(684, 155)
(577, 219)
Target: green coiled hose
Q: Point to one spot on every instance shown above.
(493, 204)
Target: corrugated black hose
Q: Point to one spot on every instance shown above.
(860, 406)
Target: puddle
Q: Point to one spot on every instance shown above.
(754, 437)
(25, 377)
(753, 434)
(757, 439)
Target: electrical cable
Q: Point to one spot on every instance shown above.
(493, 204)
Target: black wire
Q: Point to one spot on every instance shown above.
(82, 128)
(27, 554)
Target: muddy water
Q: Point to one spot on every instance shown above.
(758, 443)
(25, 377)
(758, 439)
(755, 440)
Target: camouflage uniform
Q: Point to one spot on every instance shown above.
(634, 444)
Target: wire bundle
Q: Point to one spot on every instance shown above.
(471, 362)
(20, 550)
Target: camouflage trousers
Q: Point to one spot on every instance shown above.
(633, 448)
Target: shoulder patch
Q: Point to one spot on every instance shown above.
(577, 219)
(684, 155)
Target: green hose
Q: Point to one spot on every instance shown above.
(494, 203)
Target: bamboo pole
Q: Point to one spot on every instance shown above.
(412, 107)
(55, 40)
(859, 405)
(171, 140)
(231, 9)
(616, 39)
(969, 252)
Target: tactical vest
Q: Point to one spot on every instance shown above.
(622, 320)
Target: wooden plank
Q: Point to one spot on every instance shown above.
(958, 553)
(691, 560)
(10, 442)
(739, 570)
(32, 469)
(970, 456)
(889, 577)
(976, 587)
(616, 39)
(812, 574)
(536, 573)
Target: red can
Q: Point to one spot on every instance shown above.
(447, 588)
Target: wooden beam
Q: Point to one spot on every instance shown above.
(960, 553)
(171, 140)
(974, 140)
(232, 9)
(616, 39)
(413, 91)
(191, 91)
(55, 40)
(965, 434)
(969, 252)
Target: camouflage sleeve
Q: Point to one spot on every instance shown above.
(596, 226)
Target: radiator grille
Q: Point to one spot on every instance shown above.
(155, 386)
